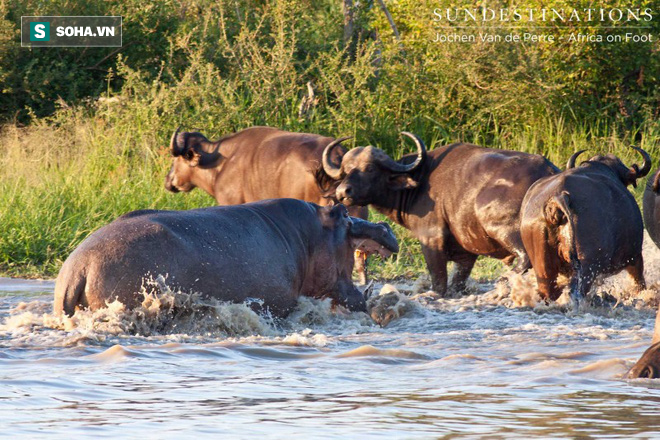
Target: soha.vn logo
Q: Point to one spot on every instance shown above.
(39, 31)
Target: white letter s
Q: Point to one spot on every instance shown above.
(40, 31)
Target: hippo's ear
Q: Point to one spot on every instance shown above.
(398, 182)
(330, 215)
(648, 372)
(192, 157)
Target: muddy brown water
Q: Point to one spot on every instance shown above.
(493, 363)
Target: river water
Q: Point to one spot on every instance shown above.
(492, 363)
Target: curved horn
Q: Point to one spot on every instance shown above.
(646, 166)
(398, 167)
(174, 145)
(571, 161)
(332, 169)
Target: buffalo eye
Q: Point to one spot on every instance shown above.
(188, 155)
(370, 168)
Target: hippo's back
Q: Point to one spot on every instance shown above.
(228, 252)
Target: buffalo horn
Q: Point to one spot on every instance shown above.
(646, 166)
(398, 167)
(571, 161)
(174, 143)
(332, 169)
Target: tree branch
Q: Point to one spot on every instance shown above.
(390, 19)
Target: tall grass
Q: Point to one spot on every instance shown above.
(64, 178)
(219, 67)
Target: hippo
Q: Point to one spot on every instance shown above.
(648, 366)
(272, 251)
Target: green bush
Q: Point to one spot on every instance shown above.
(86, 128)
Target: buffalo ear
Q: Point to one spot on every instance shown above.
(632, 177)
(398, 182)
(192, 157)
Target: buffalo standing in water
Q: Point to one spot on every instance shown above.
(459, 200)
(275, 250)
(584, 222)
(255, 164)
(651, 204)
(648, 365)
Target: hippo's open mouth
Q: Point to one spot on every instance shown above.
(371, 247)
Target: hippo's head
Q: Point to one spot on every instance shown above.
(192, 151)
(627, 175)
(332, 257)
(648, 366)
(366, 173)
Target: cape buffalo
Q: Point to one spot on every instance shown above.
(584, 222)
(254, 164)
(648, 365)
(459, 200)
(274, 250)
(651, 204)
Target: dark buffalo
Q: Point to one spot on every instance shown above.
(648, 366)
(256, 164)
(584, 222)
(275, 250)
(459, 200)
(651, 204)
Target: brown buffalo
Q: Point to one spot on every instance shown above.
(459, 200)
(254, 164)
(273, 251)
(584, 222)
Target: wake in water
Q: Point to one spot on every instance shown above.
(188, 315)
(175, 313)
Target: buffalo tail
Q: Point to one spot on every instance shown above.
(557, 212)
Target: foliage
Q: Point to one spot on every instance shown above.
(85, 129)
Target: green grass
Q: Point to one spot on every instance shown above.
(70, 163)
(64, 178)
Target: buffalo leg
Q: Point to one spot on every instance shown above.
(463, 266)
(436, 263)
(548, 288)
(636, 271)
(523, 263)
(546, 279)
(360, 257)
(513, 243)
(361, 266)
